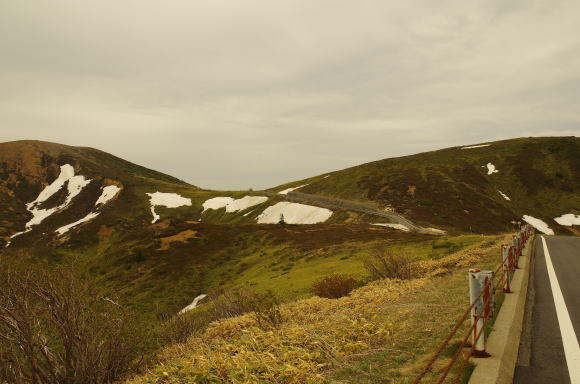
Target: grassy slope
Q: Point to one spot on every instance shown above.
(285, 259)
(382, 332)
(450, 189)
(121, 248)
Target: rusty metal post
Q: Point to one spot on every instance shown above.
(506, 267)
(480, 293)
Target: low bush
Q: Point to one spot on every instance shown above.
(265, 307)
(389, 264)
(333, 287)
(55, 328)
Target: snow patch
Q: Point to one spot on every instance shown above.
(169, 200)
(294, 213)
(245, 203)
(75, 185)
(193, 304)
(540, 225)
(66, 172)
(233, 205)
(435, 230)
(216, 203)
(394, 226)
(490, 168)
(286, 191)
(476, 146)
(109, 192)
(66, 228)
(504, 196)
(568, 220)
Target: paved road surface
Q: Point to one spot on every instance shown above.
(545, 355)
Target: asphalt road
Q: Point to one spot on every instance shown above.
(549, 350)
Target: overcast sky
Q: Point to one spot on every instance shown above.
(233, 94)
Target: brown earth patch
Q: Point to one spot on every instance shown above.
(105, 231)
(163, 224)
(181, 237)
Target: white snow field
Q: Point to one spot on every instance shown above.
(504, 196)
(568, 219)
(394, 226)
(540, 225)
(169, 200)
(75, 186)
(107, 194)
(490, 168)
(233, 205)
(216, 203)
(437, 230)
(476, 146)
(66, 172)
(193, 304)
(288, 190)
(245, 203)
(294, 213)
(68, 227)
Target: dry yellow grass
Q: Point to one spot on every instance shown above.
(319, 336)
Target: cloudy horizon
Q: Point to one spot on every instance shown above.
(234, 95)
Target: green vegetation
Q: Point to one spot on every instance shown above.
(450, 188)
(384, 328)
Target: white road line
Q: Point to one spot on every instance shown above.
(571, 347)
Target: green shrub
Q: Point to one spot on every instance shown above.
(388, 264)
(264, 307)
(333, 287)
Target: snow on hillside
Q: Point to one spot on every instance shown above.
(394, 226)
(193, 304)
(66, 172)
(568, 220)
(85, 219)
(435, 230)
(107, 194)
(490, 168)
(233, 205)
(245, 203)
(294, 213)
(75, 185)
(216, 203)
(168, 200)
(540, 225)
(288, 190)
(476, 146)
(504, 196)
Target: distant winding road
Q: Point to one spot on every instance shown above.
(549, 349)
(334, 203)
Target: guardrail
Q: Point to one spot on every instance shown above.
(348, 205)
(482, 293)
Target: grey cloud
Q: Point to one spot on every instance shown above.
(231, 94)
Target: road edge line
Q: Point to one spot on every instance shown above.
(504, 341)
(569, 339)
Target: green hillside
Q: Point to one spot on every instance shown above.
(451, 188)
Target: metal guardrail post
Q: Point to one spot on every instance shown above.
(480, 281)
(506, 266)
(515, 250)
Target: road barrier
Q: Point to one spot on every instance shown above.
(482, 294)
(348, 205)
